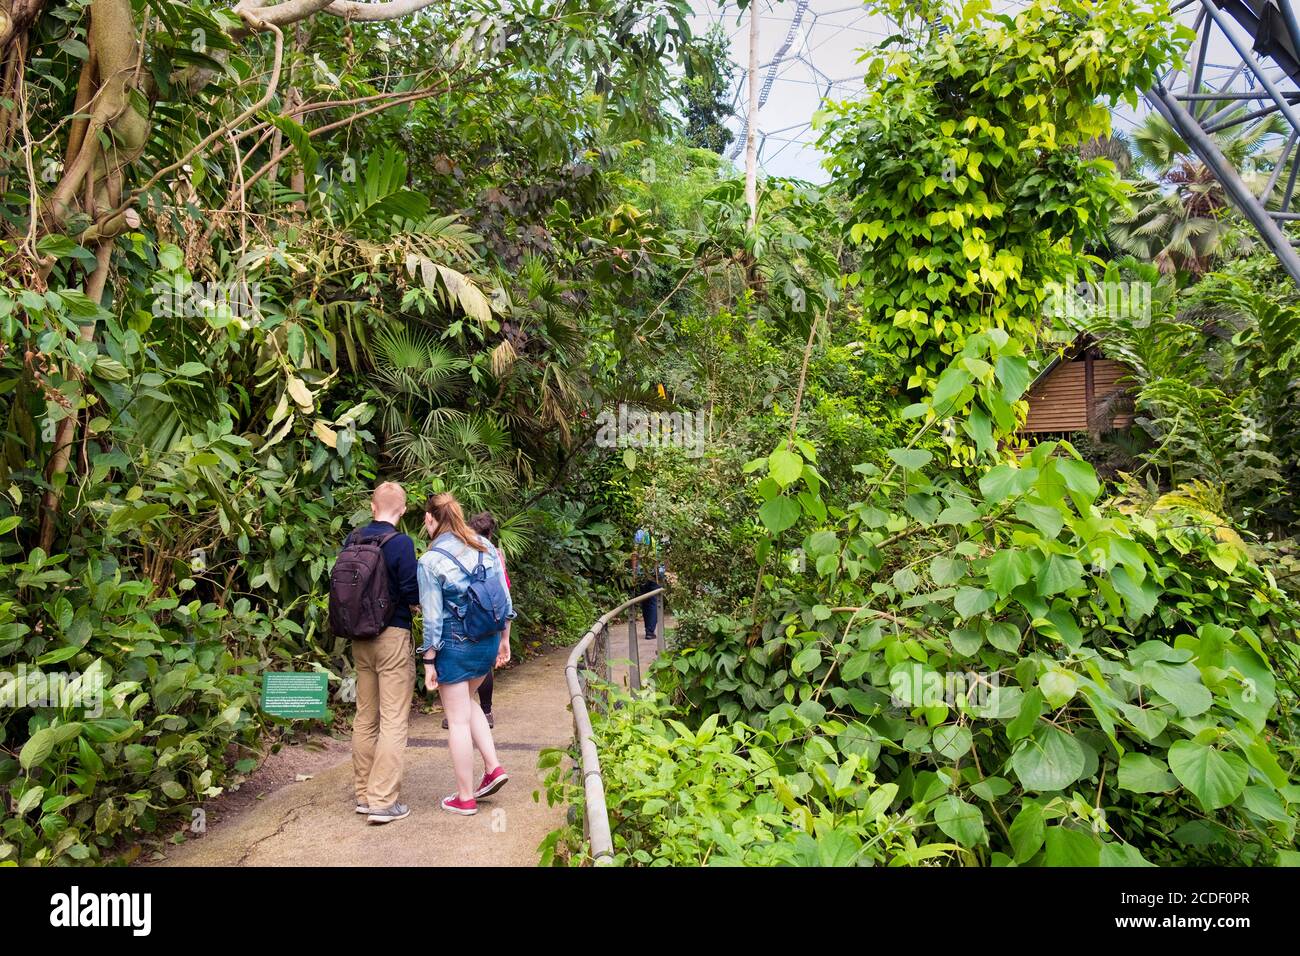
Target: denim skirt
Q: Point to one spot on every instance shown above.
(460, 659)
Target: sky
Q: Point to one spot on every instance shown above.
(808, 50)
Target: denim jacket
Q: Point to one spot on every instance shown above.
(442, 582)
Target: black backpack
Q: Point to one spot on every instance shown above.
(360, 605)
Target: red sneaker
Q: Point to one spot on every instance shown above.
(466, 808)
(492, 782)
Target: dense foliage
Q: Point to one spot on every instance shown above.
(1033, 665)
(256, 259)
(968, 196)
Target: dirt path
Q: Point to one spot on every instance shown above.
(312, 822)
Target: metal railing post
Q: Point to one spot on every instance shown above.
(608, 654)
(659, 637)
(596, 816)
(633, 651)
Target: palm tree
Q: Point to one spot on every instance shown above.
(418, 386)
(1178, 215)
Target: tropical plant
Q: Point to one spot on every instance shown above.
(1062, 682)
(705, 93)
(729, 795)
(1179, 216)
(1211, 379)
(959, 166)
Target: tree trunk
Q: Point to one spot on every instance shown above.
(66, 434)
(751, 123)
(16, 16)
(93, 179)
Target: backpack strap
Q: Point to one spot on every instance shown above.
(463, 569)
(381, 539)
(452, 557)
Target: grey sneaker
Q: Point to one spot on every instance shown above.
(398, 811)
(362, 808)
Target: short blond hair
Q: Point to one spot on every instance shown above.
(388, 497)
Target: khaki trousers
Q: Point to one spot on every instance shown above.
(385, 671)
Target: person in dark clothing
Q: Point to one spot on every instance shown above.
(399, 558)
(385, 670)
(485, 524)
(649, 571)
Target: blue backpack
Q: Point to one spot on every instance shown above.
(486, 602)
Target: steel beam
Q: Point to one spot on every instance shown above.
(1265, 36)
(1209, 153)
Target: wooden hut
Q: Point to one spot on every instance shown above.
(1076, 392)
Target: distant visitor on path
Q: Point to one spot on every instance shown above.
(465, 603)
(649, 571)
(372, 589)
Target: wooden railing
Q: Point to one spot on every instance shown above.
(593, 651)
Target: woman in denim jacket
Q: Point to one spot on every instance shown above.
(454, 665)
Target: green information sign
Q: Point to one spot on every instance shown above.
(295, 694)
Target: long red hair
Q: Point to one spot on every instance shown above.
(448, 516)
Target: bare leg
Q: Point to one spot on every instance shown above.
(456, 702)
(480, 731)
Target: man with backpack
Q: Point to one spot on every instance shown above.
(373, 587)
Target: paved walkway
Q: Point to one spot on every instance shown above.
(312, 823)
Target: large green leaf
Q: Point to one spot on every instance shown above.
(960, 820)
(1060, 573)
(1216, 778)
(1143, 774)
(1139, 596)
(785, 466)
(42, 743)
(1013, 374)
(1069, 847)
(1050, 759)
(779, 514)
(1180, 684)
(1027, 831)
(1079, 477)
(1008, 569)
(951, 741)
(1121, 854)
(971, 601)
(912, 459)
(1047, 519)
(1005, 480)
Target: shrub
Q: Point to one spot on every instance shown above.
(125, 713)
(1127, 678)
(730, 795)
